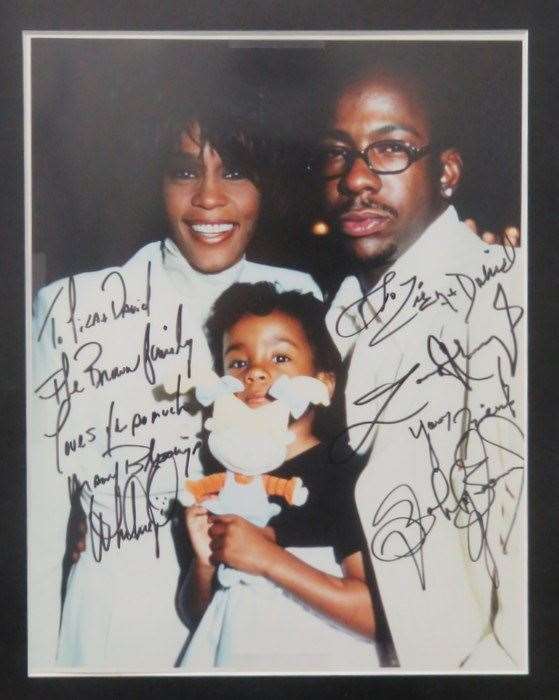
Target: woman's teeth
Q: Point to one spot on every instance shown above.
(211, 229)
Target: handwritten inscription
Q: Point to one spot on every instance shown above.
(123, 447)
(443, 411)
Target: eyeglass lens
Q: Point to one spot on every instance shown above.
(382, 156)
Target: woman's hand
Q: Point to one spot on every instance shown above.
(77, 531)
(239, 544)
(197, 525)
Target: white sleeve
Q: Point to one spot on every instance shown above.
(285, 279)
(47, 502)
(311, 286)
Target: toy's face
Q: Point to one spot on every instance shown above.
(254, 440)
(257, 350)
(247, 440)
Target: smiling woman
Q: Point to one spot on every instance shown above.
(219, 171)
(212, 207)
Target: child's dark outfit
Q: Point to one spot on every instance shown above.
(261, 626)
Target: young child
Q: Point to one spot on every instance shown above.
(311, 608)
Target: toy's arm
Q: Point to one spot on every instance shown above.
(292, 490)
(197, 489)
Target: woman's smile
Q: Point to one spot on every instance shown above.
(213, 232)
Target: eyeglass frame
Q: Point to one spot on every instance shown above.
(415, 153)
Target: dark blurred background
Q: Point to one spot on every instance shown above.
(97, 106)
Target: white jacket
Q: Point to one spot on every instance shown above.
(435, 398)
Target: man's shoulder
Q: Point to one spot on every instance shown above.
(452, 269)
(285, 278)
(476, 268)
(454, 248)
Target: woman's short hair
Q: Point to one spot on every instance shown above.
(234, 119)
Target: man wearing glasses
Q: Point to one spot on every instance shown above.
(431, 325)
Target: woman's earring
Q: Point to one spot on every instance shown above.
(446, 192)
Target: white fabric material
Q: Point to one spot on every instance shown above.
(429, 382)
(299, 392)
(102, 343)
(248, 500)
(249, 440)
(259, 627)
(208, 393)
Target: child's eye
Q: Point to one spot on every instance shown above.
(237, 364)
(280, 358)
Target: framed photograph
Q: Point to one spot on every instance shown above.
(276, 308)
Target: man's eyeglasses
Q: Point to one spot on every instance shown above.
(381, 157)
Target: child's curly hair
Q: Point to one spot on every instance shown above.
(261, 299)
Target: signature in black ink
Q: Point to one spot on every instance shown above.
(119, 305)
(152, 353)
(383, 295)
(464, 497)
(98, 377)
(389, 391)
(405, 306)
(470, 285)
(464, 491)
(115, 424)
(404, 533)
(449, 365)
(138, 508)
(125, 307)
(59, 387)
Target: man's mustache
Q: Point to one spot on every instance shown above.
(357, 205)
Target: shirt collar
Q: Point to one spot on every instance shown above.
(174, 259)
(202, 288)
(428, 250)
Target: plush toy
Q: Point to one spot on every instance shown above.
(249, 442)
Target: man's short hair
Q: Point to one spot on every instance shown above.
(435, 73)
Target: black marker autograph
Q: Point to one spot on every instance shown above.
(402, 307)
(118, 307)
(138, 511)
(463, 492)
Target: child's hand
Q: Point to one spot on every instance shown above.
(197, 524)
(240, 544)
